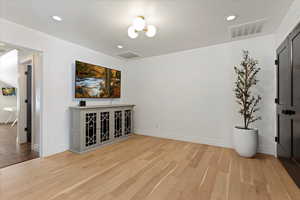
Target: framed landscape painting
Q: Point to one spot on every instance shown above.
(9, 91)
(93, 81)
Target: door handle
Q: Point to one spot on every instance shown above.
(285, 112)
(292, 112)
(288, 112)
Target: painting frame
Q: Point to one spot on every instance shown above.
(96, 82)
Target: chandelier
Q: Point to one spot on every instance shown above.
(139, 25)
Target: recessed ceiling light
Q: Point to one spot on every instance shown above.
(120, 47)
(231, 17)
(57, 18)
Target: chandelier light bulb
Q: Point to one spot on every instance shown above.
(132, 32)
(151, 31)
(139, 23)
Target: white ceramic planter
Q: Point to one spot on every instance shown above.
(245, 141)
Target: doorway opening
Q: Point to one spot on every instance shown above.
(19, 139)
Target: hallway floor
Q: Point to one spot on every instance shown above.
(11, 152)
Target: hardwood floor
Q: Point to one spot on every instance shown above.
(148, 168)
(11, 152)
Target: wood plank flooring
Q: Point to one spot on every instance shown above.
(148, 168)
(11, 152)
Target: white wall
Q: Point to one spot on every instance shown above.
(291, 19)
(189, 95)
(9, 68)
(6, 101)
(8, 78)
(55, 80)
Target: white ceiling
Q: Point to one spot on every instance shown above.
(182, 24)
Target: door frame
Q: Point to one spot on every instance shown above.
(35, 60)
(22, 109)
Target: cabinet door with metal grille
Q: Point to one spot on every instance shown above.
(118, 123)
(128, 122)
(104, 126)
(89, 130)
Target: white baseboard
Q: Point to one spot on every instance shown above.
(204, 140)
(270, 150)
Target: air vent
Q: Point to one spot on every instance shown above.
(128, 55)
(248, 29)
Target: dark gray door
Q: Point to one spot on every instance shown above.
(288, 104)
(29, 102)
(284, 92)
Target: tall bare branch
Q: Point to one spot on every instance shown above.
(246, 79)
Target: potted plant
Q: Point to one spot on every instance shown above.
(245, 138)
